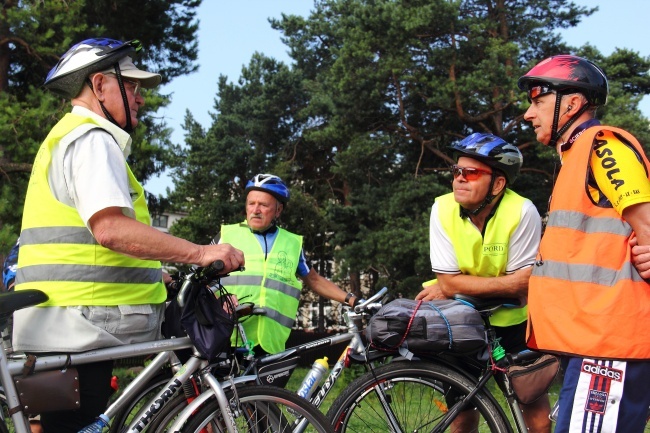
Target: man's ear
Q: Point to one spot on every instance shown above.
(98, 86)
(574, 102)
(500, 184)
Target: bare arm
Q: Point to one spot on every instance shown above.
(638, 216)
(513, 285)
(323, 286)
(117, 232)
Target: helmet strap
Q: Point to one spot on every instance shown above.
(129, 126)
(486, 201)
(556, 119)
(118, 73)
(557, 133)
(566, 146)
(101, 105)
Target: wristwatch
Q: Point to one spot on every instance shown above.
(347, 299)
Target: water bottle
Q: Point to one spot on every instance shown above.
(98, 426)
(309, 384)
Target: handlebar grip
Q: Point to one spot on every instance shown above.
(218, 265)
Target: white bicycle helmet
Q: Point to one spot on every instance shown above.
(105, 55)
(95, 55)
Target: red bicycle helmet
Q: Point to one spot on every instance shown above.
(566, 73)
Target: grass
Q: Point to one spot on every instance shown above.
(125, 375)
(348, 375)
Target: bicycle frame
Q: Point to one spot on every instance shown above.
(353, 320)
(356, 346)
(11, 368)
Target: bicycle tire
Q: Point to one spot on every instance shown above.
(415, 393)
(165, 418)
(260, 409)
(123, 417)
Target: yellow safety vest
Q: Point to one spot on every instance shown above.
(484, 256)
(59, 255)
(270, 283)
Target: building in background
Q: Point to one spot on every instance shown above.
(165, 220)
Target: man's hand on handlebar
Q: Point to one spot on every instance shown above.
(231, 257)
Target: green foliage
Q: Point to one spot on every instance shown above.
(359, 126)
(34, 34)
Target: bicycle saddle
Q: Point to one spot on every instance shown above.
(12, 301)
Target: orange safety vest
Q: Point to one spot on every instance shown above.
(585, 297)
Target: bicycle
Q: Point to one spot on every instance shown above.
(268, 367)
(231, 404)
(407, 396)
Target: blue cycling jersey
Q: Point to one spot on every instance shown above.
(10, 266)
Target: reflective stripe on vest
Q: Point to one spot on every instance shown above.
(270, 283)
(59, 255)
(484, 256)
(585, 296)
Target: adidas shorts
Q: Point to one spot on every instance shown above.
(604, 396)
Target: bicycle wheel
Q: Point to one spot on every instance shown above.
(413, 395)
(260, 409)
(124, 416)
(165, 418)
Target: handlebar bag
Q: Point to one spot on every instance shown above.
(206, 321)
(427, 327)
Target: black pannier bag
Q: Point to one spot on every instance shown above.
(427, 327)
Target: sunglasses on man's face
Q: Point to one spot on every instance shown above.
(535, 91)
(468, 173)
(132, 85)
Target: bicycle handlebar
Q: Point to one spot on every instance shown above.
(211, 272)
(363, 305)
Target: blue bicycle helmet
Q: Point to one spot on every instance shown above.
(270, 184)
(493, 151)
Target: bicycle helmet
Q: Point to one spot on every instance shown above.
(565, 74)
(104, 55)
(493, 151)
(95, 55)
(569, 74)
(496, 153)
(270, 184)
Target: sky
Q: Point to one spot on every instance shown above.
(231, 31)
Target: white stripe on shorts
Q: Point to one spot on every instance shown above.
(598, 395)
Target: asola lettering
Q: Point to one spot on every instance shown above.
(608, 162)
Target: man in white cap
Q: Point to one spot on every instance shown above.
(86, 238)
